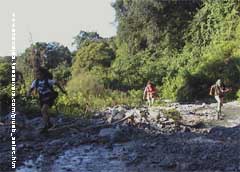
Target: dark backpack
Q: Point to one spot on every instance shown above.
(53, 94)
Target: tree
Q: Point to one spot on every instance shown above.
(151, 24)
(84, 37)
(95, 54)
(48, 55)
(5, 86)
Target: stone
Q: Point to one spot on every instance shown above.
(20, 119)
(130, 113)
(98, 115)
(154, 114)
(119, 116)
(167, 162)
(185, 129)
(162, 119)
(108, 133)
(109, 119)
(35, 122)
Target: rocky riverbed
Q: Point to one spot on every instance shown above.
(171, 138)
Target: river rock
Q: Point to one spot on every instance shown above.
(154, 114)
(131, 112)
(108, 133)
(113, 135)
(35, 122)
(168, 162)
(119, 116)
(226, 133)
(19, 118)
(164, 148)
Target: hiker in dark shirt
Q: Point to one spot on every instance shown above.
(44, 86)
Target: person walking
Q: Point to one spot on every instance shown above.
(149, 93)
(44, 86)
(218, 90)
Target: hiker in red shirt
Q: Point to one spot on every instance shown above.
(149, 93)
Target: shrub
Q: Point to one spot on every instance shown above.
(85, 83)
(173, 114)
(238, 95)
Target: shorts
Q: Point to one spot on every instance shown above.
(47, 99)
(152, 94)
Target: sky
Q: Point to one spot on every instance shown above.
(53, 20)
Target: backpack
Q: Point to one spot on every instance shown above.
(215, 90)
(53, 94)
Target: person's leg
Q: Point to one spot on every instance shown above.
(153, 99)
(44, 111)
(219, 105)
(221, 99)
(149, 100)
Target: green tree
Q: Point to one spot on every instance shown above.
(5, 87)
(84, 37)
(151, 24)
(48, 55)
(93, 55)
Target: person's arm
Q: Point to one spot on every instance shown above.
(210, 92)
(144, 93)
(225, 90)
(55, 82)
(60, 87)
(29, 92)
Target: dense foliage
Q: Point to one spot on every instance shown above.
(5, 85)
(182, 46)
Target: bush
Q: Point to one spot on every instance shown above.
(75, 104)
(5, 87)
(83, 105)
(173, 114)
(238, 95)
(85, 83)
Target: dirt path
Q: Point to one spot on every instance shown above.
(231, 112)
(130, 148)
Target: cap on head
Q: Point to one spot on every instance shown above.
(218, 83)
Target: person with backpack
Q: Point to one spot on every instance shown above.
(43, 84)
(218, 90)
(149, 93)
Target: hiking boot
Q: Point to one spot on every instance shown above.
(50, 125)
(46, 127)
(44, 130)
(221, 118)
